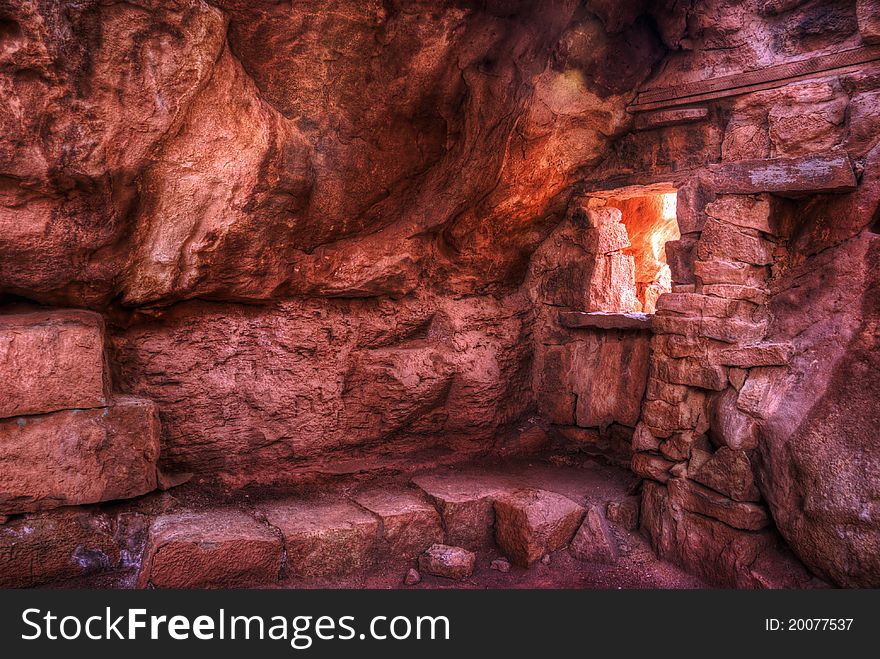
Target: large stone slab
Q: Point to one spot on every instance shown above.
(51, 361)
(409, 523)
(762, 354)
(530, 523)
(720, 240)
(609, 374)
(220, 548)
(78, 456)
(747, 211)
(466, 504)
(324, 537)
(695, 498)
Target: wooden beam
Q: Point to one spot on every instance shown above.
(852, 60)
(810, 174)
(670, 117)
(605, 321)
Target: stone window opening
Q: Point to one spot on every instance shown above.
(630, 231)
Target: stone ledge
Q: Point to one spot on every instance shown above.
(605, 320)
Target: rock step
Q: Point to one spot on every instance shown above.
(449, 517)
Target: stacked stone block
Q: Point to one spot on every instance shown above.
(695, 443)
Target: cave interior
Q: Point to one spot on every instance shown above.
(564, 294)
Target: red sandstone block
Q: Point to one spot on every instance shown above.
(680, 255)
(449, 562)
(325, 538)
(51, 361)
(747, 211)
(695, 498)
(665, 418)
(766, 354)
(594, 541)
(728, 330)
(693, 372)
(651, 466)
(409, 523)
(724, 241)
(61, 545)
(213, 549)
(466, 505)
(617, 395)
(730, 272)
(729, 472)
(700, 306)
(606, 239)
(78, 456)
(530, 523)
(643, 439)
(736, 292)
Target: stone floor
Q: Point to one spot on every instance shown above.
(371, 535)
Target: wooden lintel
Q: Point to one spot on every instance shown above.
(846, 61)
(822, 173)
(811, 174)
(605, 321)
(670, 117)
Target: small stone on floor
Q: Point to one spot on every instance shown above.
(500, 564)
(412, 577)
(446, 561)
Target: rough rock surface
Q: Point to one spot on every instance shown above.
(212, 549)
(78, 456)
(51, 361)
(319, 385)
(532, 523)
(228, 160)
(358, 170)
(819, 446)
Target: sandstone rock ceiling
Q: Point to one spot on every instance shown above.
(161, 151)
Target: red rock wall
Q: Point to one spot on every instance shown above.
(762, 387)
